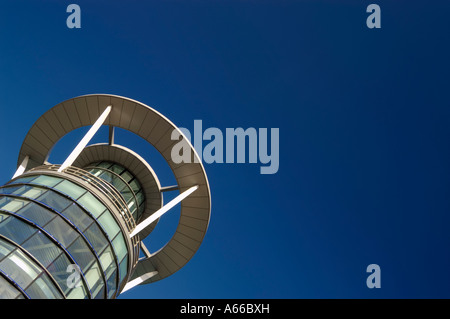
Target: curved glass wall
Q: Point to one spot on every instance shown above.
(73, 226)
(30, 279)
(124, 182)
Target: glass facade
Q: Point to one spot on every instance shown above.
(49, 223)
(127, 184)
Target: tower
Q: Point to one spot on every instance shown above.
(75, 229)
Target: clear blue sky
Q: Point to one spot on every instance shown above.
(363, 115)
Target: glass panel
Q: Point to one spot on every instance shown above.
(100, 292)
(107, 262)
(4, 201)
(96, 238)
(8, 291)
(55, 201)
(109, 224)
(82, 254)
(70, 189)
(16, 230)
(33, 192)
(141, 210)
(13, 204)
(30, 191)
(10, 190)
(23, 180)
(42, 248)
(43, 288)
(77, 293)
(92, 204)
(132, 207)
(112, 283)
(119, 247)
(140, 197)
(118, 183)
(117, 168)
(63, 233)
(20, 268)
(107, 177)
(123, 268)
(127, 194)
(135, 186)
(94, 280)
(5, 248)
(36, 213)
(126, 176)
(49, 181)
(77, 216)
(104, 164)
(25, 190)
(58, 269)
(95, 172)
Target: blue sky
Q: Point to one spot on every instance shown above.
(364, 128)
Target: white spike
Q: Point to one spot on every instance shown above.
(22, 167)
(162, 210)
(77, 150)
(138, 280)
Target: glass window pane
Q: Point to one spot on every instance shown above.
(63, 233)
(109, 224)
(92, 204)
(36, 213)
(8, 291)
(123, 268)
(30, 191)
(135, 186)
(112, 283)
(23, 180)
(70, 189)
(3, 216)
(141, 210)
(55, 201)
(42, 248)
(117, 168)
(77, 216)
(20, 268)
(106, 176)
(104, 164)
(99, 292)
(94, 280)
(82, 254)
(120, 247)
(95, 171)
(13, 204)
(140, 197)
(96, 237)
(77, 293)
(10, 190)
(49, 181)
(126, 176)
(127, 194)
(16, 230)
(118, 183)
(107, 262)
(5, 248)
(43, 288)
(58, 270)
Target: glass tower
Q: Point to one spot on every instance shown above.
(76, 229)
